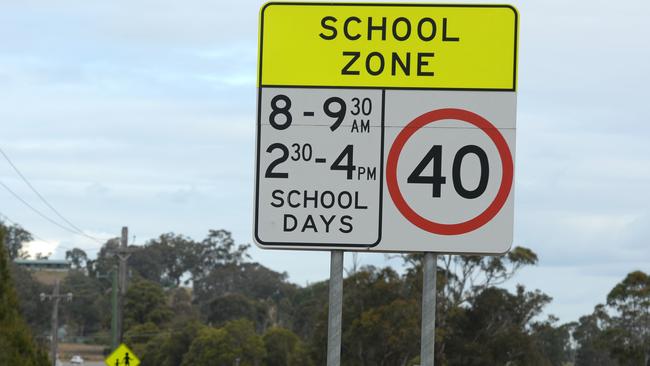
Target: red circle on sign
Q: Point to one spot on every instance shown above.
(506, 176)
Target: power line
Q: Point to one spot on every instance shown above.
(4, 217)
(46, 202)
(38, 212)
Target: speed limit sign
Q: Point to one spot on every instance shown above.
(386, 127)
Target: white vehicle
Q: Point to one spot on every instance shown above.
(77, 360)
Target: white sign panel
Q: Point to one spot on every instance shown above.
(421, 160)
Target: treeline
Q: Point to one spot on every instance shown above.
(206, 303)
(16, 342)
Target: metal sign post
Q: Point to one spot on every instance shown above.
(335, 309)
(427, 339)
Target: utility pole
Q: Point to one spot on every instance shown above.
(115, 339)
(55, 297)
(113, 275)
(123, 254)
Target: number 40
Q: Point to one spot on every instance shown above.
(437, 180)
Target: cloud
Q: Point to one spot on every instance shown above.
(40, 247)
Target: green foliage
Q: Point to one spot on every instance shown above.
(210, 347)
(77, 258)
(139, 335)
(284, 348)
(554, 341)
(145, 303)
(14, 238)
(494, 329)
(106, 260)
(84, 312)
(222, 346)
(219, 248)
(180, 303)
(168, 349)
(385, 335)
(308, 305)
(368, 293)
(622, 336)
(629, 330)
(177, 254)
(35, 312)
(269, 289)
(171, 257)
(230, 307)
(147, 262)
(249, 279)
(477, 323)
(589, 333)
(461, 279)
(16, 344)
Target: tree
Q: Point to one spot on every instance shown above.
(77, 258)
(177, 254)
(145, 302)
(554, 341)
(15, 238)
(494, 330)
(222, 346)
(106, 260)
(210, 347)
(219, 247)
(180, 303)
(251, 280)
(284, 348)
(386, 335)
(86, 309)
(147, 262)
(16, 344)
(618, 333)
(36, 313)
(231, 307)
(42, 256)
(590, 335)
(460, 279)
(367, 292)
(170, 258)
(168, 349)
(629, 331)
(139, 335)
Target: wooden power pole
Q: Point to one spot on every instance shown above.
(123, 254)
(55, 297)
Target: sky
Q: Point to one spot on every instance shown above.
(142, 114)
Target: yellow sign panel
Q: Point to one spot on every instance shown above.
(388, 45)
(122, 356)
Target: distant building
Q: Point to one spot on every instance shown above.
(46, 271)
(44, 264)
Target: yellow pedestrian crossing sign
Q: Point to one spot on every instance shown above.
(122, 356)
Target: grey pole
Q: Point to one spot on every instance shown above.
(335, 309)
(55, 322)
(427, 339)
(55, 297)
(115, 340)
(123, 256)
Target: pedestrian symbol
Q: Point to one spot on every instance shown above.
(122, 356)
